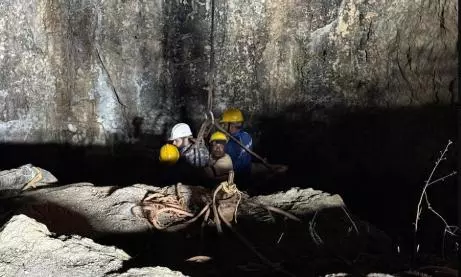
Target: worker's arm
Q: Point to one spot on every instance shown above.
(220, 169)
(240, 157)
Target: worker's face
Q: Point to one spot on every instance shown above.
(232, 128)
(217, 149)
(178, 142)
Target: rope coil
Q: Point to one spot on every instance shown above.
(161, 203)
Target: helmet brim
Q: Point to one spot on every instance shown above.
(227, 121)
(222, 141)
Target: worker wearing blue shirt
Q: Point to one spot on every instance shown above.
(232, 121)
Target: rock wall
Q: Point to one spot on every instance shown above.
(76, 71)
(81, 72)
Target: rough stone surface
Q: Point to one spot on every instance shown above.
(28, 248)
(92, 211)
(104, 213)
(82, 71)
(13, 180)
(157, 271)
(299, 201)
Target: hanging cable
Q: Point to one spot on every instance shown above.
(203, 128)
(211, 73)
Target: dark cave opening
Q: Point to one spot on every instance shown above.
(377, 160)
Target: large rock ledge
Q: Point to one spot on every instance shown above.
(28, 248)
(88, 210)
(111, 215)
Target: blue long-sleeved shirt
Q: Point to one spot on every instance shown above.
(241, 159)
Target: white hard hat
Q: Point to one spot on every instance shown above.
(180, 130)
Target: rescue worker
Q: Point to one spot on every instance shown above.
(220, 163)
(169, 156)
(232, 120)
(194, 154)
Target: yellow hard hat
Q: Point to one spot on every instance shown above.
(232, 115)
(169, 154)
(218, 136)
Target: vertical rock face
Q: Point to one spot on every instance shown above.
(82, 71)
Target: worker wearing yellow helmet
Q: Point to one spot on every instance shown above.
(232, 120)
(169, 154)
(172, 172)
(184, 157)
(220, 163)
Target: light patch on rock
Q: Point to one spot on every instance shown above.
(106, 104)
(157, 271)
(71, 128)
(27, 247)
(319, 36)
(347, 16)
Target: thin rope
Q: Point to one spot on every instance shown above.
(264, 162)
(203, 129)
(212, 65)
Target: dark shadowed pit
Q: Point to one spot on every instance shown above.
(377, 160)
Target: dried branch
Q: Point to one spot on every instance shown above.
(353, 223)
(448, 228)
(315, 237)
(428, 182)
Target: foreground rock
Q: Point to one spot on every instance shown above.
(321, 236)
(27, 247)
(149, 271)
(88, 210)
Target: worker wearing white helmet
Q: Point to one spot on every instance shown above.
(181, 137)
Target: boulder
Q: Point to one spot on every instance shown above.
(28, 248)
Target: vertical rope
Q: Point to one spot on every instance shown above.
(211, 74)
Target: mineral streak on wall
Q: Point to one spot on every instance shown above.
(80, 71)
